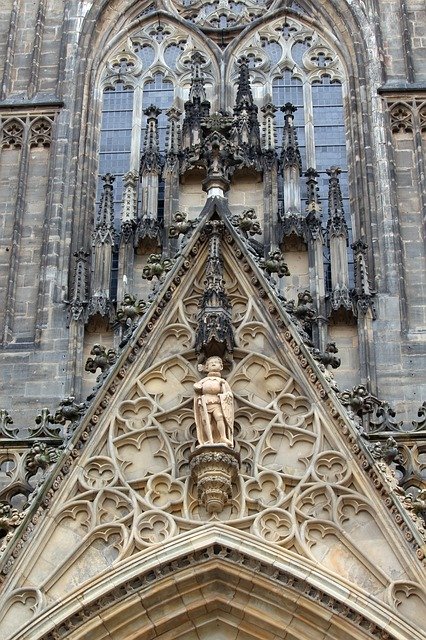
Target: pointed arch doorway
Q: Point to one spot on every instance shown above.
(218, 584)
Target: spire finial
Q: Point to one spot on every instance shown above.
(290, 155)
(244, 94)
(150, 159)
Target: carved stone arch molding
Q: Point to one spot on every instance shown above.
(217, 581)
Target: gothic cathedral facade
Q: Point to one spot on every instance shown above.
(212, 319)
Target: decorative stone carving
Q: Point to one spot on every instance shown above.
(214, 406)
(247, 222)
(382, 417)
(290, 155)
(269, 141)
(387, 451)
(12, 135)
(151, 165)
(420, 422)
(214, 332)
(151, 159)
(173, 140)
(337, 232)
(103, 242)
(140, 480)
(104, 226)
(422, 118)
(69, 410)
(328, 357)
(245, 132)
(362, 294)
(102, 359)
(313, 218)
(219, 158)
(40, 456)
(197, 106)
(10, 518)
(304, 310)
(148, 228)
(419, 504)
(5, 421)
(410, 465)
(79, 287)
(156, 267)
(43, 428)
(291, 162)
(223, 15)
(275, 263)
(401, 117)
(214, 470)
(218, 142)
(130, 310)
(358, 399)
(41, 132)
(181, 225)
(130, 201)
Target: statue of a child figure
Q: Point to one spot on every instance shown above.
(214, 406)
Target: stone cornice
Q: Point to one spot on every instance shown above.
(414, 88)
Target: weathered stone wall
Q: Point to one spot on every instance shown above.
(52, 51)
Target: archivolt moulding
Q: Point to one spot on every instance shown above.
(238, 576)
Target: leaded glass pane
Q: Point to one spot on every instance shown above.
(116, 138)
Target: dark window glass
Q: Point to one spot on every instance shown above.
(115, 138)
(159, 92)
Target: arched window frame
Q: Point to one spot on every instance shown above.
(125, 66)
(264, 73)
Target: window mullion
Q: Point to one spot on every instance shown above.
(309, 125)
(136, 129)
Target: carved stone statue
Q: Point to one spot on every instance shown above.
(214, 406)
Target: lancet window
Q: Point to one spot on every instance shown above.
(290, 62)
(163, 96)
(152, 68)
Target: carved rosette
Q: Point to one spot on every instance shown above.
(213, 469)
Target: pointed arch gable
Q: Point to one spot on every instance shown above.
(134, 409)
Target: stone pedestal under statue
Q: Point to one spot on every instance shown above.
(213, 469)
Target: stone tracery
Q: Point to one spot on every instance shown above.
(295, 488)
(133, 488)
